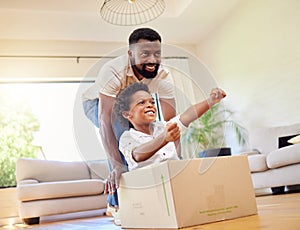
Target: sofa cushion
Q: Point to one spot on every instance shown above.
(60, 189)
(294, 140)
(284, 140)
(47, 170)
(284, 156)
(257, 163)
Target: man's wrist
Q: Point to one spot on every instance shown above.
(120, 168)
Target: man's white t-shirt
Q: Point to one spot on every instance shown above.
(117, 74)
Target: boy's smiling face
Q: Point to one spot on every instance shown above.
(142, 109)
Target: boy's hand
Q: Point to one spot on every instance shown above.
(172, 132)
(216, 95)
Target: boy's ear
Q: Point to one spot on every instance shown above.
(130, 53)
(126, 115)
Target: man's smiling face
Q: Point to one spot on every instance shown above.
(145, 57)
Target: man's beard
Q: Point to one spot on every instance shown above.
(145, 73)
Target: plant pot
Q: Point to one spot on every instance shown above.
(217, 152)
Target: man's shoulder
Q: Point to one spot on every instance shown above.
(164, 67)
(118, 61)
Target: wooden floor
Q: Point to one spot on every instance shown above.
(275, 212)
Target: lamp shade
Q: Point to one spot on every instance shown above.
(131, 12)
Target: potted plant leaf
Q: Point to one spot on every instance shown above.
(208, 132)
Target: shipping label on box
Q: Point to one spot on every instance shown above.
(177, 194)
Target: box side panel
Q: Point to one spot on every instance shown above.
(212, 189)
(146, 199)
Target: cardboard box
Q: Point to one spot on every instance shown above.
(177, 194)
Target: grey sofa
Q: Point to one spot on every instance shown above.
(52, 187)
(273, 163)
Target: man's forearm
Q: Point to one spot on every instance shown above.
(110, 144)
(108, 138)
(168, 108)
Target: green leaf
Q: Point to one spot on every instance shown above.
(208, 130)
(17, 125)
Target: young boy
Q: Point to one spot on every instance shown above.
(148, 141)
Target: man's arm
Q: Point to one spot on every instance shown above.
(168, 108)
(109, 141)
(169, 111)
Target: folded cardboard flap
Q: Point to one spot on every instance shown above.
(177, 194)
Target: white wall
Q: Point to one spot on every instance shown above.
(24, 69)
(255, 57)
(59, 69)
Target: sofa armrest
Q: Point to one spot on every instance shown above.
(257, 163)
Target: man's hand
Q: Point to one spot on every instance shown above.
(113, 179)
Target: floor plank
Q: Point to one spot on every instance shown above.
(274, 213)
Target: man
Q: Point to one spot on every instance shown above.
(142, 63)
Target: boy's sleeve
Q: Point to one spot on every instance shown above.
(181, 126)
(126, 145)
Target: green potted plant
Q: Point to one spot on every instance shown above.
(208, 132)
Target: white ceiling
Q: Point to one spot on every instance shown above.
(184, 21)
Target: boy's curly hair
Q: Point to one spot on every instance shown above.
(123, 100)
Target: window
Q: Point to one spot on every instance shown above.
(57, 106)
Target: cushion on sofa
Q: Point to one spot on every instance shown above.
(47, 170)
(257, 163)
(60, 189)
(294, 140)
(283, 141)
(284, 156)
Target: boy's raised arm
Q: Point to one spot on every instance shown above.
(197, 110)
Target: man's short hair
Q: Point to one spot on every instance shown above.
(144, 33)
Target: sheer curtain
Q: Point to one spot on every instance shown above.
(187, 92)
(184, 89)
